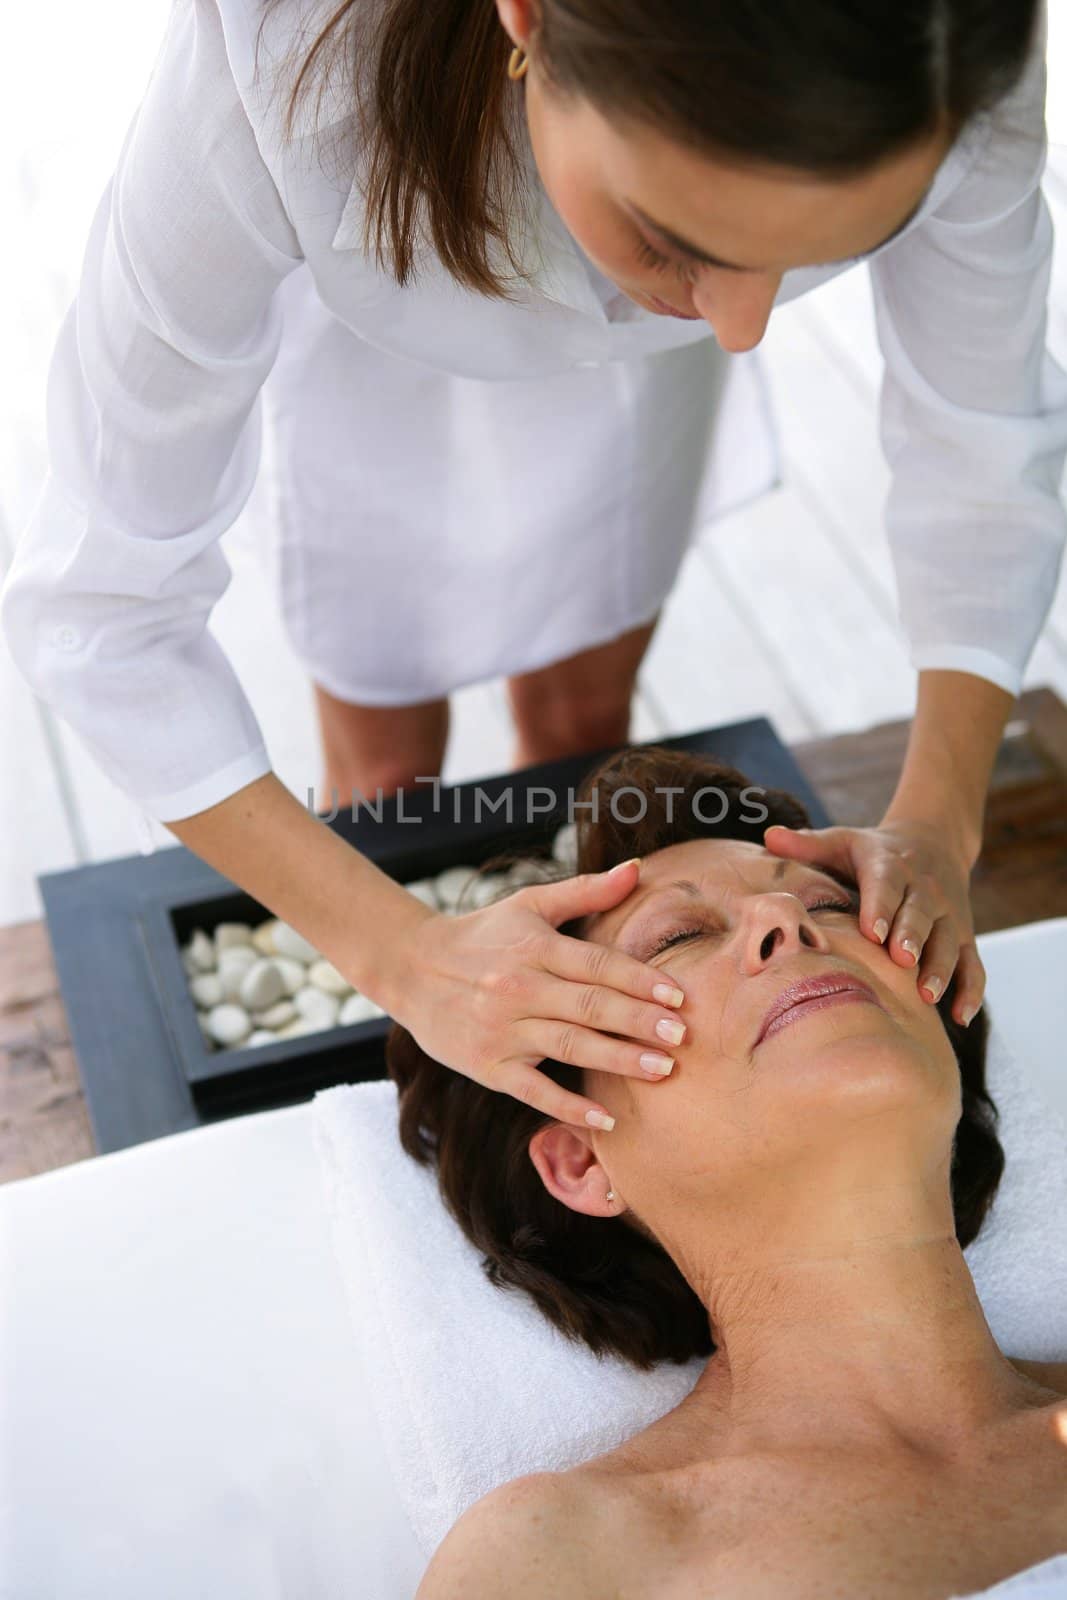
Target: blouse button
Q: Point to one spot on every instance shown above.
(66, 638)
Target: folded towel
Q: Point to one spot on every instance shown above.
(474, 1387)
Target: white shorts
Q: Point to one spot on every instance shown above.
(431, 531)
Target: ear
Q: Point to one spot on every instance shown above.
(516, 17)
(569, 1170)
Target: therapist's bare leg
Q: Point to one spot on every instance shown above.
(580, 703)
(370, 747)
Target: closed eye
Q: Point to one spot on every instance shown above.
(680, 935)
(660, 263)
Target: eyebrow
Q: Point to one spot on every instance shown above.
(705, 256)
(694, 892)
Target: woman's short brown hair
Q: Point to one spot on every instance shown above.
(599, 1280)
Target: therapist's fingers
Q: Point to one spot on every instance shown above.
(479, 984)
(523, 1081)
(582, 960)
(602, 1029)
(970, 983)
(857, 855)
(940, 955)
(911, 926)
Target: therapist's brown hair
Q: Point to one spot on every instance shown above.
(823, 86)
(606, 1281)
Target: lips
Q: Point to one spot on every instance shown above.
(661, 305)
(828, 983)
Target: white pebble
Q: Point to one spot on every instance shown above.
(261, 985)
(205, 1030)
(288, 942)
(485, 888)
(201, 951)
(424, 890)
(230, 934)
(294, 973)
(358, 1008)
(565, 845)
(233, 964)
(324, 975)
(451, 883)
(294, 1029)
(315, 1006)
(520, 873)
(238, 958)
(277, 1016)
(228, 1024)
(261, 1036)
(191, 968)
(206, 989)
(263, 939)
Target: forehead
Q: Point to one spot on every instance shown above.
(714, 866)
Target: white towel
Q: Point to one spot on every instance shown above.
(473, 1386)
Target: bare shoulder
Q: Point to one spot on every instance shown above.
(1050, 1374)
(527, 1538)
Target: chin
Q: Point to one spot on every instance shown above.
(872, 1066)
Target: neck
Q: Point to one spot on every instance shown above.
(867, 1334)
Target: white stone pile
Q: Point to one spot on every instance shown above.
(253, 985)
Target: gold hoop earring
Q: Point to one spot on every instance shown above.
(518, 61)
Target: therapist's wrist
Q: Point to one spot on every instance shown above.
(952, 746)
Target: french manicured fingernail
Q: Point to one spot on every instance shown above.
(652, 1061)
(671, 1029)
(667, 994)
(599, 1119)
(967, 1015)
(911, 947)
(881, 928)
(934, 986)
(619, 865)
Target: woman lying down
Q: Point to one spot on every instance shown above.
(793, 1202)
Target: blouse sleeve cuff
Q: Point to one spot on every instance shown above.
(965, 658)
(208, 791)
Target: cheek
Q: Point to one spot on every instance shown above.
(587, 212)
(592, 221)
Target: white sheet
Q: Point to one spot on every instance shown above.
(186, 1418)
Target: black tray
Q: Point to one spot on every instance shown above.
(117, 926)
(226, 1081)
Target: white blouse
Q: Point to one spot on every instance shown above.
(154, 411)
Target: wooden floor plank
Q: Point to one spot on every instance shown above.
(814, 622)
(705, 665)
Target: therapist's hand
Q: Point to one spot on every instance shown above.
(492, 992)
(914, 885)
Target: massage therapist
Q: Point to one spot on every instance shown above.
(484, 266)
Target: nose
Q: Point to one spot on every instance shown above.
(736, 306)
(779, 924)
